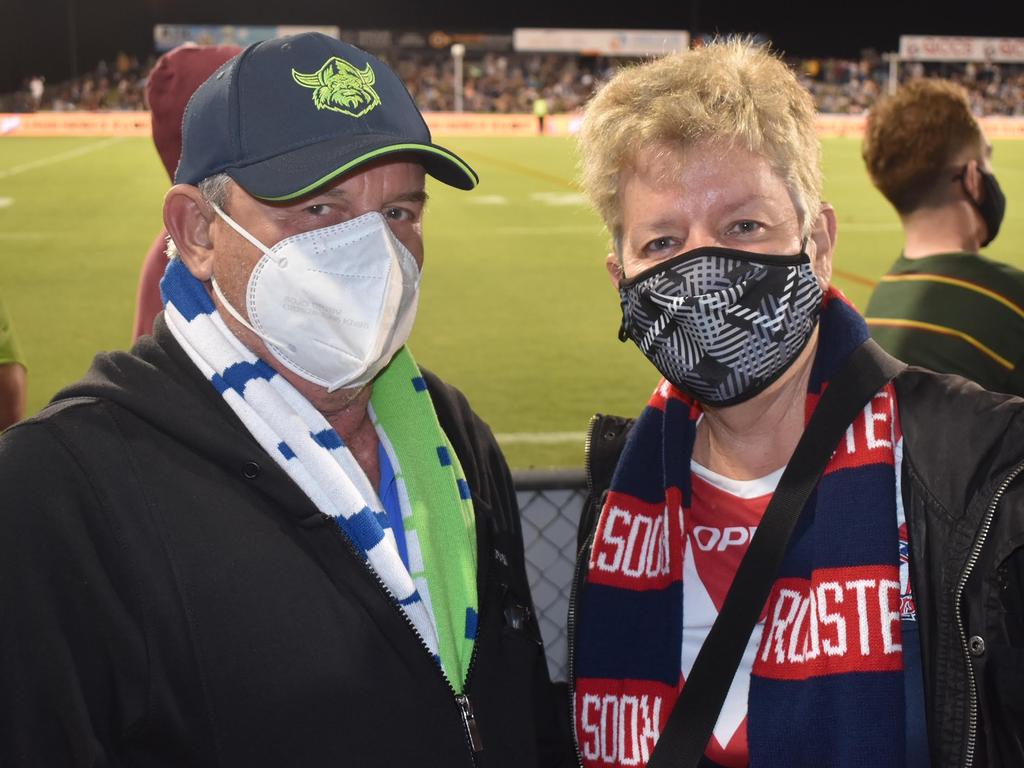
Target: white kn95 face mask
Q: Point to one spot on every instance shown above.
(334, 304)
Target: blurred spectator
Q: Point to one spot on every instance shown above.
(170, 85)
(12, 374)
(540, 111)
(36, 87)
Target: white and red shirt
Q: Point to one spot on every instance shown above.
(718, 529)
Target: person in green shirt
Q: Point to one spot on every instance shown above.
(943, 305)
(540, 111)
(12, 373)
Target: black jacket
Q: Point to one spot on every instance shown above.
(963, 492)
(169, 597)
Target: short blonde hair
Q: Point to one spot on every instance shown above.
(728, 92)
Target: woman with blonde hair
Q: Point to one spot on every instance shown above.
(866, 518)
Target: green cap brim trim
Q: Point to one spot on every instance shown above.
(389, 150)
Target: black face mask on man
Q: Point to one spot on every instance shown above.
(992, 207)
(722, 324)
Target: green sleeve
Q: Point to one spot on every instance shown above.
(10, 351)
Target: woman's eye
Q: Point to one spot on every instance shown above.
(745, 227)
(660, 245)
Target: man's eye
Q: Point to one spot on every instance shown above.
(398, 214)
(317, 209)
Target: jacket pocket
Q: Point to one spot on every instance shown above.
(1006, 706)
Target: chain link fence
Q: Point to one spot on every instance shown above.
(550, 503)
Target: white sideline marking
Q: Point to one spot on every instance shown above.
(488, 200)
(71, 153)
(6, 202)
(540, 438)
(563, 229)
(868, 226)
(559, 198)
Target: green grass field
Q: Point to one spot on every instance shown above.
(516, 310)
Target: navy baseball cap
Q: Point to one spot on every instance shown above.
(288, 115)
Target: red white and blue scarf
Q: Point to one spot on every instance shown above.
(827, 685)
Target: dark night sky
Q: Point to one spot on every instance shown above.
(34, 34)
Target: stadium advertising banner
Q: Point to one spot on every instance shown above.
(76, 124)
(943, 48)
(602, 42)
(168, 36)
(480, 124)
(852, 126)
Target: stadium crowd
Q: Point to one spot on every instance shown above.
(511, 82)
(117, 85)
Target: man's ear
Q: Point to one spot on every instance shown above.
(188, 219)
(972, 181)
(613, 264)
(823, 236)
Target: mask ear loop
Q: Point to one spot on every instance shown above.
(623, 335)
(962, 178)
(242, 231)
(220, 294)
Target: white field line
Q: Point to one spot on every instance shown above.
(562, 229)
(539, 438)
(871, 226)
(559, 198)
(58, 158)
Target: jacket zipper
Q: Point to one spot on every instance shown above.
(972, 560)
(570, 632)
(584, 556)
(586, 453)
(463, 705)
(475, 742)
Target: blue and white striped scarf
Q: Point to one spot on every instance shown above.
(295, 434)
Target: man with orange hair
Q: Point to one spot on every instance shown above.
(942, 305)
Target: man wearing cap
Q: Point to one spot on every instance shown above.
(265, 537)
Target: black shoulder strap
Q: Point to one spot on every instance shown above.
(606, 437)
(689, 726)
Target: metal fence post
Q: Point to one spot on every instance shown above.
(550, 502)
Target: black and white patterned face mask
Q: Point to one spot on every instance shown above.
(721, 324)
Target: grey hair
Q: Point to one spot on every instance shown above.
(214, 190)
